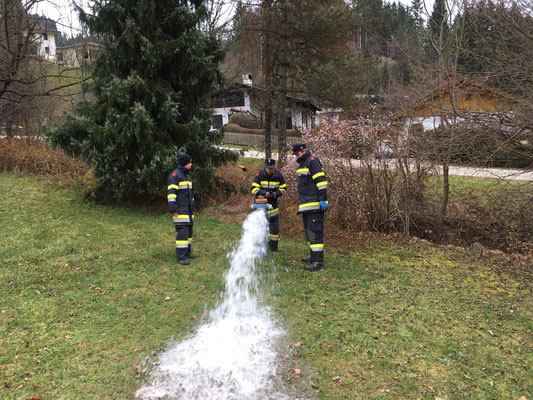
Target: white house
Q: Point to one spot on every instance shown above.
(244, 97)
(74, 55)
(43, 37)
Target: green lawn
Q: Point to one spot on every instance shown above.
(88, 292)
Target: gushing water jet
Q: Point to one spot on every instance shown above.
(232, 355)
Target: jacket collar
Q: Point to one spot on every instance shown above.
(304, 157)
(184, 170)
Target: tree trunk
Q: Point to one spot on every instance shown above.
(268, 74)
(268, 126)
(283, 71)
(445, 189)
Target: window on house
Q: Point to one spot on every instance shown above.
(60, 57)
(304, 119)
(47, 50)
(217, 121)
(45, 36)
(289, 122)
(86, 56)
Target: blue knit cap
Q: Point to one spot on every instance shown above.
(184, 159)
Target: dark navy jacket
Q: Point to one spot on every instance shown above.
(312, 184)
(181, 196)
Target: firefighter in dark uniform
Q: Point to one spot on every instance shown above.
(312, 203)
(181, 205)
(269, 183)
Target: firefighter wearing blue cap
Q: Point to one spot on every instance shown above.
(270, 184)
(312, 203)
(181, 205)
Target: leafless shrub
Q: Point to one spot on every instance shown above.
(369, 193)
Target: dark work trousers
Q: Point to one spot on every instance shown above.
(183, 241)
(273, 229)
(314, 232)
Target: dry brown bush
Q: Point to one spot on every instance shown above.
(36, 157)
(231, 127)
(245, 120)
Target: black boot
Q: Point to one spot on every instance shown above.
(184, 262)
(306, 259)
(315, 266)
(191, 255)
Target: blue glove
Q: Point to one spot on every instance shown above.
(323, 205)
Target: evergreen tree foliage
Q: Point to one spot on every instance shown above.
(498, 45)
(148, 90)
(321, 63)
(438, 29)
(416, 14)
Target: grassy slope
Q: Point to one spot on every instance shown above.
(83, 289)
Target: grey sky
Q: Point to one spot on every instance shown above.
(63, 12)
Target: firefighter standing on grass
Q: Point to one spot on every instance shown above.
(181, 205)
(312, 203)
(270, 184)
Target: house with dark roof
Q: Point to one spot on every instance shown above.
(43, 33)
(250, 99)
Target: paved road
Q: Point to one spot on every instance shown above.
(493, 173)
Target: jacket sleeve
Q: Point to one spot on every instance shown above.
(256, 186)
(172, 193)
(193, 204)
(282, 186)
(319, 179)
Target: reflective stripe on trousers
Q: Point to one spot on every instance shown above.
(183, 241)
(314, 232)
(273, 229)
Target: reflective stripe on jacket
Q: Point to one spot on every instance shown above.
(312, 183)
(180, 195)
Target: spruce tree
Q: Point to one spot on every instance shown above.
(438, 29)
(149, 87)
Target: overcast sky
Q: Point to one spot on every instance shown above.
(63, 12)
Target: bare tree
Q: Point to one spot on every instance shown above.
(27, 73)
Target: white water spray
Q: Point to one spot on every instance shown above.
(232, 355)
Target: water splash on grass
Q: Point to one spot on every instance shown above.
(232, 355)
